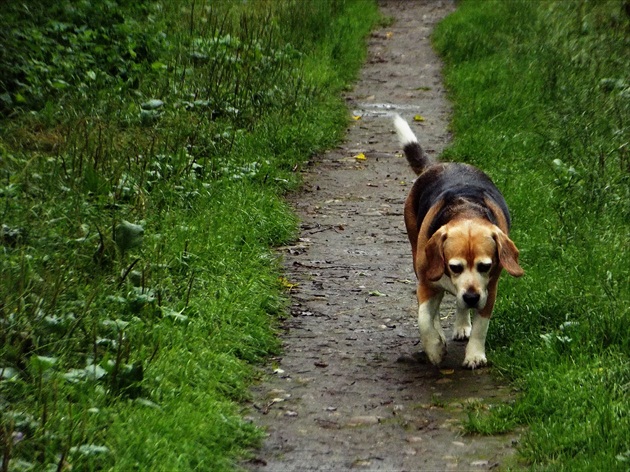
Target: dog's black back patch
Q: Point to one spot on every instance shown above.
(458, 186)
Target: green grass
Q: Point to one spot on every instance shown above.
(144, 152)
(542, 101)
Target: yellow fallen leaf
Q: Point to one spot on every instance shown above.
(447, 371)
(402, 182)
(356, 117)
(389, 34)
(360, 157)
(286, 284)
(418, 118)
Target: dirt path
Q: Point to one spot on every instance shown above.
(351, 391)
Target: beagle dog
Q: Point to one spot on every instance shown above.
(457, 222)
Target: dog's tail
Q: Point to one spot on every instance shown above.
(414, 153)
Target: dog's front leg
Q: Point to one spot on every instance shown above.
(476, 348)
(432, 338)
(462, 327)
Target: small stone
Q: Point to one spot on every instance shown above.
(363, 421)
(278, 392)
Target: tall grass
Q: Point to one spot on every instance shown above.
(542, 101)
(144, 150)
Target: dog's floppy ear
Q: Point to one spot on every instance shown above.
(434, 252)
(508, 254)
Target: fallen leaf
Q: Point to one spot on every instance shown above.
(418, 118)
(447, 371)
(286, 284)
(389, 34)
(376, 293)
(360, 157)
(356, 117)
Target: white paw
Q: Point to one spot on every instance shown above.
(474, 361)
(435, 350)
(461, 333)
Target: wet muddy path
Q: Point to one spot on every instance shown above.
(351, 391)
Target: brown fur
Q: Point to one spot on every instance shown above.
(457, 222)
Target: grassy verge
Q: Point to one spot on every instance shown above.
(144, 150)
(542, 101)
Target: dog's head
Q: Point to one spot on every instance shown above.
(470, 253)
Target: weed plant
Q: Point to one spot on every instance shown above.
(542, 102)
(144, 150)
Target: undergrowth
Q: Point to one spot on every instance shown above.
(542, 101)
(144, 150)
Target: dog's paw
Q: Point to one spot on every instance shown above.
(475, 361)
(461, 333)
(435, 351)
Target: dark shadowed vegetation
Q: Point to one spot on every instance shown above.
(144, 150)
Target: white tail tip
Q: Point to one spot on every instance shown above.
(405, 135)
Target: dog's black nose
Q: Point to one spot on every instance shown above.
(471, 299)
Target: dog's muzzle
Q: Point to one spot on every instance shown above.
(471, 299)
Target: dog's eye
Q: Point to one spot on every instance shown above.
(484, 267)
(456, 268)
